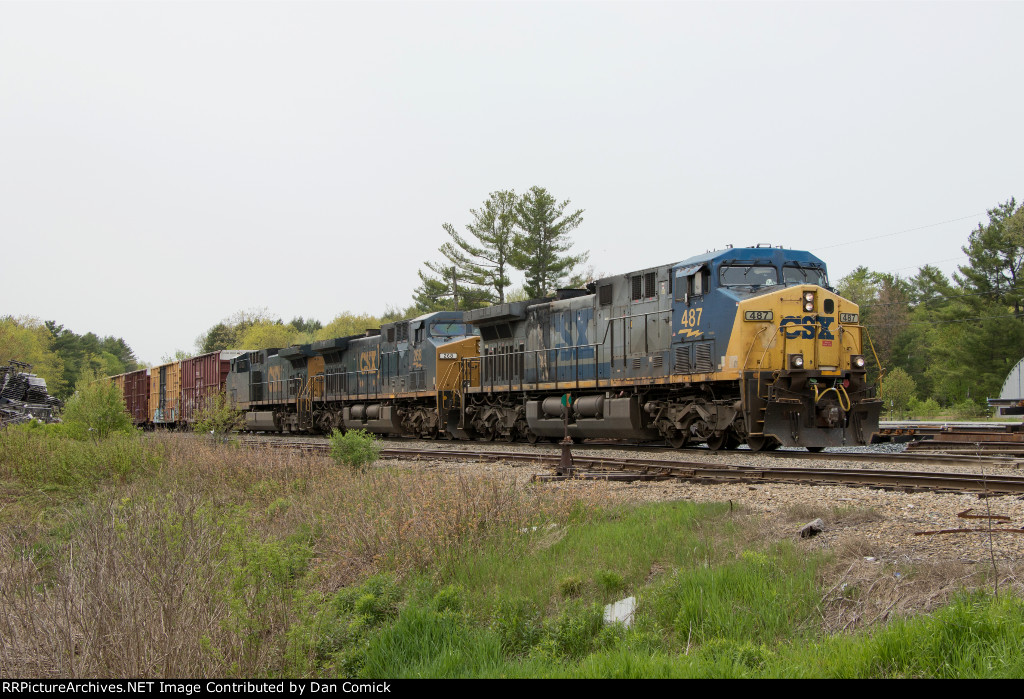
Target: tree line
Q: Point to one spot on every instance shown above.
(62, 356)
(938, 341)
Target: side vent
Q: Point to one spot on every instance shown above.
(703, 362)
(657, 361)
(637, 284)
(682, 364)
(605, 295)
(637, 362)
(650, 290)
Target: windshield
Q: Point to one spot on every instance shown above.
(748, 275)
(447, 329)
(803, 275)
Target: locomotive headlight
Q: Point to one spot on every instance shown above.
(796, 361)
(857, 361)
(808, 301)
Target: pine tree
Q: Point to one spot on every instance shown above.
(996, 252)
(450, 290)
(541, 239)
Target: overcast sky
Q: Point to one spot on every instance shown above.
(164, 165)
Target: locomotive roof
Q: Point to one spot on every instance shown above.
(775, 256)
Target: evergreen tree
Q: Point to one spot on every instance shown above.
(450, 290)
(996, 257)
(542, 239)
(485, 260)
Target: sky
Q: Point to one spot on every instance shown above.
(164, 165)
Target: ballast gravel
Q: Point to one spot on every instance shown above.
(884, 526)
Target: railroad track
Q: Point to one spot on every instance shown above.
(612, 468)
(959, 458)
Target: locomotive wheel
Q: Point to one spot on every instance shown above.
(758, 442)
(677, 440)
(532, 437)
(815, 450)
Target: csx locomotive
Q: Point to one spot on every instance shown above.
(743, 345)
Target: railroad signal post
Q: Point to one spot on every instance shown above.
(565, 465)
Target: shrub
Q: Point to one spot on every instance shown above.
(217, 416)
(517, 623)
(97, 409)
(355, 448)
(897, 390)
(967, 409)
(923, 409)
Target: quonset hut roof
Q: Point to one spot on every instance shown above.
(1011, 398)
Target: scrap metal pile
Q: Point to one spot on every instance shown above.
(23, 396)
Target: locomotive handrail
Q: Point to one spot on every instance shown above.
(761, 360)
(516, 379)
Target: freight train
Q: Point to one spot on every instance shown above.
(743, 345)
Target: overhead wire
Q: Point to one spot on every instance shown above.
(908, 230)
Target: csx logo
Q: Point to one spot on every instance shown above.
(806, 325)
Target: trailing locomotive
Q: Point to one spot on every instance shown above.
(739, 345)
(387, 381)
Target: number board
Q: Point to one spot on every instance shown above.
(448, 355)
(849, 317)
(758, 315)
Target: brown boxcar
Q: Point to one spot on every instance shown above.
(165, 394)
(136, 395)
(202, 377)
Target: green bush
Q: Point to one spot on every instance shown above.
(96, 410)
(967, 409)
(217, 416)
(355, 448)
(517, 623)
(897, 390)
(923, 408)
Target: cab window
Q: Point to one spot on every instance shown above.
(448, 329)
(748, 275)
(792, 274)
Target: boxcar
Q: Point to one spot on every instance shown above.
(202, 377)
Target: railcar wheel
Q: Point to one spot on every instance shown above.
(532, 437)
(758, 442)
(815, 450)
(677, 440)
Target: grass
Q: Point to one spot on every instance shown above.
(173, 556)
